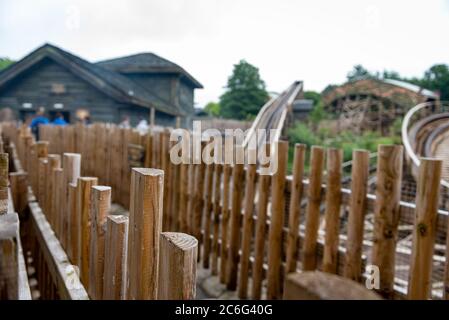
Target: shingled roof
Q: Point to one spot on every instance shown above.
(110, 82)
(147, 62)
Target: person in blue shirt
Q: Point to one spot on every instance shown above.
(59, 120)
(38, 120)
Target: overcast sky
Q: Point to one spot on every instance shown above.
(315, 41)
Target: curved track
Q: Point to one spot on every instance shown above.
(273, 114)
(425, 133)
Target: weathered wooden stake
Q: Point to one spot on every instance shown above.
(177, 266)
(356, 219)
(386, 217)
(116, 246)
(145, 226)
(100, 208)
(424, 231)
(83, 207)
(274, 276)
(234, 233)
(247, 231)
(295, 207)
(332, 213)
(313, 208)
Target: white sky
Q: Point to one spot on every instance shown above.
(315, 41)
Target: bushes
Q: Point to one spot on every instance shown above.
(345, 140)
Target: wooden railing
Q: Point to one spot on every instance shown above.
(253, 229)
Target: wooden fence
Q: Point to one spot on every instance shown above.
(78, 249)
(252, 229)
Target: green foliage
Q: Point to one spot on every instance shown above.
(345, 140)
(245, 93)
(212, 109)
(5, 62)
(358, 72)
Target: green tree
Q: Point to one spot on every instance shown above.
(358, 72)
(245, 93)
(212, 109)
(5, 62)
(437, 79)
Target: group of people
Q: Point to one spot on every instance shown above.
(41, 119)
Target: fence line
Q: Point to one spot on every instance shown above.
(254, 235)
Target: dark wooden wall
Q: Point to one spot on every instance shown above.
(35, 87)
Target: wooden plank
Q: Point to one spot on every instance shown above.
(84, 203)
(261, 227)
(333, 208)
(18, 185)
(274, 277)
(424, 231)
(63, 273)
(71, 166)
(100, 208)
(4, 168)
(295, 207)
(235, 224)
(74, 224)
(313, 208)
(116, 246)
(216, 218)
(207, 213)
(225, 222)
(177, 266)
(357, 210)
(145, 221)
(247, 231)
(386, 216)
(54, 162)
(324, 286)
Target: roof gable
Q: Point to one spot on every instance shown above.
(147, 63)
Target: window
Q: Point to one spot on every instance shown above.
(57, 88)
(58, 106)
(27, 105)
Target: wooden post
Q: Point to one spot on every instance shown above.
(225, 222)
(42, 182)
(274, 277)
(323, 286)
(71, 166)
(54, 162)
(183, 197)
(56, 205)
(74, 223)
(295, 207)
(19, 188)
(234, 234)
(247, 231)
(313, 208)
(4, 168)
(145, 220)
(216, 223)
(386, 216)
(198, 203)
(100, 208)
(83, 207)
(332, 213)
(177, 266)
(261, 226)
(116, 246)
(424, 231)
(207, 214)
(359, 180)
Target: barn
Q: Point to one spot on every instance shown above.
(135, 86)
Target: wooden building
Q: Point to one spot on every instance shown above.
(373, 104)
(106, 91)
